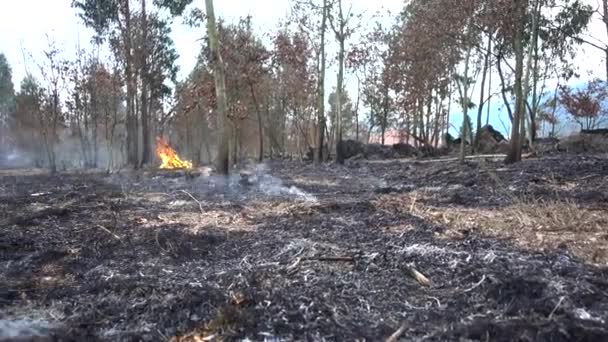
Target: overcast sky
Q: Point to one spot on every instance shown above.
(25, 23)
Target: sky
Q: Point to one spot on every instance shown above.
(27, 24)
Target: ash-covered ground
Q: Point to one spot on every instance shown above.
(420, 250)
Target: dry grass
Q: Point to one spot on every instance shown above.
(530, 223)
(585, 143)
(554, 216)
(533, 225)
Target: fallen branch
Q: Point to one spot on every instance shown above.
(395, 336)
(559, 303)
(200, 205)
(294, 265)
(483, 278)
(346, 259)
(109, 232)
(473, 157)
(421, 278)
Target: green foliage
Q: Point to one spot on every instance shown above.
(31, 88)
(97, 14)
(101, 14)
(559, 33)
(7, 91)
(176, 7)
(163, 56)
(348, 113)
(29, 101)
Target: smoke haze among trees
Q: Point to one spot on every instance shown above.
(328, 71)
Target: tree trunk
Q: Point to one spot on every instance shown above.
(415, 121)
(489, 81)
(341, 38)
(438, 118)
(205, 138)
(554, 110)
(223, 143)
(422, 131)
(481, 95)
(526, 85)
(385, 111)
(357, 108)
(132, 129)
(503, 90)
(145, 116)
(95, 143)
(427, 132)
(260, 124)
(447, 116)
(605, 18)
(464, 95)
(318, 158)
(514, 154)
(535, 75)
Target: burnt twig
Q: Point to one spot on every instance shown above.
(200, 205)
(395, 336)
(109, 232)
(483, 278)
(346, 259)
(559, 303)
(421, 278)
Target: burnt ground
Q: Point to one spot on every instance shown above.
(506, 253)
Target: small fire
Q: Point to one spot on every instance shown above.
(168, 156)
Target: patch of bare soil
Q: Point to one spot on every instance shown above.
(416, 250)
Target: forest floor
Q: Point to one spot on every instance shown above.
(417, 249)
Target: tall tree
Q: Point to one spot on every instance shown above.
(347, 113)
(132, 36)
(113, 19)
(145, 77)
(321, 122)
(519, 14)
(223, 151)
(486, 65)
(25, 121)
(305, 12)
(341, 30)
(54, 77)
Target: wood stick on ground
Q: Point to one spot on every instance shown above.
(483, 278)
(414, 202)
(559, 303)
(421, 278)
(109, 232)
(347, 259)
(200, 205)
(473, 157)
(395, 336)
(406, 160)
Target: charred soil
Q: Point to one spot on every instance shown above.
(435, 250)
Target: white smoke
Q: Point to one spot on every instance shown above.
(24, 329)
(273, 186)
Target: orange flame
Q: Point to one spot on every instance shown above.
(168, 156)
